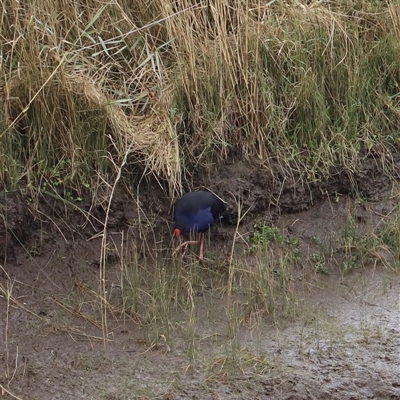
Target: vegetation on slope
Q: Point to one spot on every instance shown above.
(172, 86)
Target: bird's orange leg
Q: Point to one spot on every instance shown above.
(183, 244)
(201, 246)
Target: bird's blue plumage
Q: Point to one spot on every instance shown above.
(198, 211)
(194, 222)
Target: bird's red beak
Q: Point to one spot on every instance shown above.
(177, 232)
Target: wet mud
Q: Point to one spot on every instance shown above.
(340, 342)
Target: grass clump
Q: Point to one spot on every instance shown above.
(373, 241)
(265, 278)
(178, 86)
(265, 233)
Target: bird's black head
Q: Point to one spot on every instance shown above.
(227, 218)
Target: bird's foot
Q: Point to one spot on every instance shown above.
(205, 261)
(184, 244)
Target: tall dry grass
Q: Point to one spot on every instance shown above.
(181, 85)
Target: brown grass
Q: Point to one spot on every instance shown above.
(176, 86)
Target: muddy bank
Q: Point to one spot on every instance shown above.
(260, 191)
(337, 341)
(257, 190)
(340, 341)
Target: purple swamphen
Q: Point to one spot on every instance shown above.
(194, 214)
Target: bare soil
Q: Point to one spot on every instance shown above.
(339, 340)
